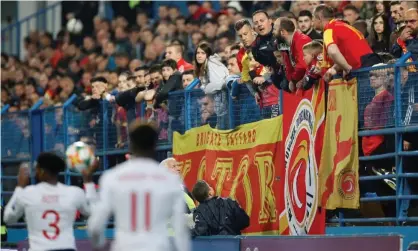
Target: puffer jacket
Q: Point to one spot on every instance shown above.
(219, 216)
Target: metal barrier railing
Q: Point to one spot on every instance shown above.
(379, 115)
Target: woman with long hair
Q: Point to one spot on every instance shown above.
(212, 74)
(380, 35)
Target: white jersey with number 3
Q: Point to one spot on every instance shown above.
(143, 198)
(49, 213)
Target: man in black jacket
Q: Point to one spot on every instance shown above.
(263, 46)
(216, 215)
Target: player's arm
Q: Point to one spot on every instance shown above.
(14, 209)
(100, 213)
(90, 196)
(182, 234)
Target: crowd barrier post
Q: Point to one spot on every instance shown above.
(65, 107)
(35, 140)
(401, 183)
(104, 105)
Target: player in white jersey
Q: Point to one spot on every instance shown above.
(142, 197)
(49, 206)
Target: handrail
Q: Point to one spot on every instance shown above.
(37, 105)
(193, 84)
(5, 108)
(70, 101)
(42, 11)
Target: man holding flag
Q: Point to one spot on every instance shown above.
(345, 49)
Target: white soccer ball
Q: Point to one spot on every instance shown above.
(79, 156)
(74, 26)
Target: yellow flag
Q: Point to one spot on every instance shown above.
(338, 176)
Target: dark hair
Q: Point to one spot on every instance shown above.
(386, 30)
(327, 12)
(188, 72)
(51, 163)
(235, 46)
(210, 20)
(155, 68)
(241, 23)
(287, 25)
(206, 47)
(142, 68)
(181, 18)
(285, 13)
(260, 11)
(169, 63)
(143, 138)
(98, 79)
(201, 191)
(305, 13)
(392, 3)
(351, 7)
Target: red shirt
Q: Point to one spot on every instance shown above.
(375, 116)
(183, 66)
(349, 40)
(295, 65)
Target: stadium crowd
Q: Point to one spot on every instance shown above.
(266, 46)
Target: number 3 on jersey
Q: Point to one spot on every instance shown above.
(53, 224)
(134, 211)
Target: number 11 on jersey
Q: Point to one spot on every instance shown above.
(134, 211)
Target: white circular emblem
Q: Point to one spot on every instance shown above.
(301, 171)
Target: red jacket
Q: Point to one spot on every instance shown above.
(183, 66)
(295, 65)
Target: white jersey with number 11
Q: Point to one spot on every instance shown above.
(143, 198)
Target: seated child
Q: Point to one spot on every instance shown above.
(312, 54)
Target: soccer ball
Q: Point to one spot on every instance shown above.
(79, 156)
(74, 26)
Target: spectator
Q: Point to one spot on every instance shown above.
(380, 35)
(344, 45)
(312, 55)
(187, 78)
(247, 37)
(351, 14)
(396, 12)
(210, 28)
(197, 11)
(405, 43)
(265, 39)
(216, 215)
(361, 26)
(305, 25)
(172, 82)
(212, 74)
(294, 64)
(175, 52)
(411, 19)
(268, 98)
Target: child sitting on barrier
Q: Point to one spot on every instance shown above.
(312, 55)
(216, 215)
